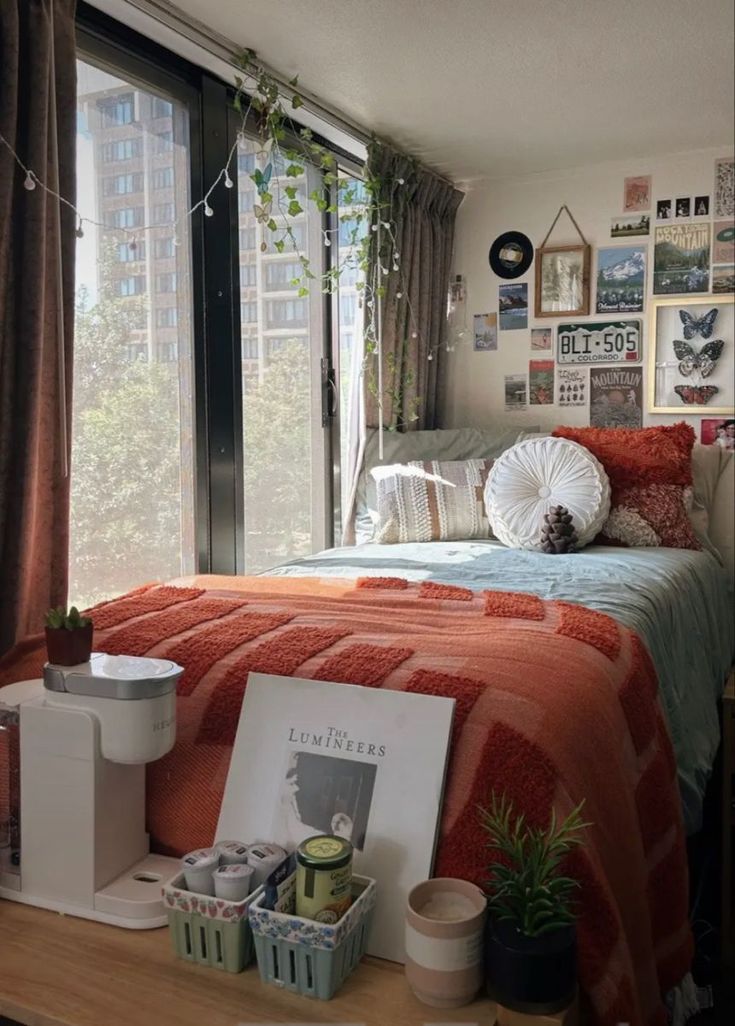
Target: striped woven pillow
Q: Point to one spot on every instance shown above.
(431, 501)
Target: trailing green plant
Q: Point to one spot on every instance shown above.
(527, 884)
(368, 248)
(72, 620)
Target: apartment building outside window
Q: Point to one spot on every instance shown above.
(163, 248)
(121, 149)
(167, 317)
(124, 217)
(286, 313)
(119, 185)
(128, 253)
(117, 110)
(132, 286)
(166, 282)
(163, 178)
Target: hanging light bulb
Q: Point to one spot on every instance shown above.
(401, 181)
(208, 212)
(414, 334)
(176, 241)
(133, 245)
(384, 270)
(327, 240)
(430, 356)
(373, 227)
(399, 295)
(386, 224)
(29, 183)
(228, 181)
(80, 231)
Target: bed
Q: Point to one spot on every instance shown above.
(595, 675)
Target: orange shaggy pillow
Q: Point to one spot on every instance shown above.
(650, 472)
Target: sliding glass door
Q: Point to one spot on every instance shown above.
(282, 334)
(206, 402)
(132, 495)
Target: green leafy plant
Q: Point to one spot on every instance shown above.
(72, 620)
(526, 884)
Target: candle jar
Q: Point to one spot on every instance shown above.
(445, 923)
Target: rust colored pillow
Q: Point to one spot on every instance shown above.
(650, 472)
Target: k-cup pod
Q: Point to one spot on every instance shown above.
(198, 867)
(233, 882)
(264, 858)
(445, 925)
(232, 853)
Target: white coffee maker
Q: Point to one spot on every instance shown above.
(84, 735)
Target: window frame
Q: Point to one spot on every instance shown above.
(216, 328)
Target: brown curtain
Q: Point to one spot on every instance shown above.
(38, 119)
(423, 210)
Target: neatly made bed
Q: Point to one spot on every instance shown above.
(594, 675)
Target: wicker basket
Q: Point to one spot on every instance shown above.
(307, 957)
(208, 930)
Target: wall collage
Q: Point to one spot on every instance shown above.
(685, 247)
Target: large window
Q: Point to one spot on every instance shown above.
(132, 487)
(179, 464)
(283, 437)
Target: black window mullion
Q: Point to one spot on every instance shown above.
(222, 339)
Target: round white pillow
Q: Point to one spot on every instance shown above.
(536, 474)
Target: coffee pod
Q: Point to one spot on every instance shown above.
(445, 924)
(198, 867)
(232, 852)
(233, 882)
(264, 858)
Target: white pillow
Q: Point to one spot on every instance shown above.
(536, 474)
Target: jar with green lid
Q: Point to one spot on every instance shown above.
(323, 878)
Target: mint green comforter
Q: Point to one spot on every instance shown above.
(677, 602)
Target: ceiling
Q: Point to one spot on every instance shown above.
(489, 88)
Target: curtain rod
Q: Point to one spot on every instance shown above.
(223, 49)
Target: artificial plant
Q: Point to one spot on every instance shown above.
(527, 884)
(72, 620)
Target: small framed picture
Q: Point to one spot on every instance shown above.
(717, 431)
(701, 206)
(562, 281)
(683, 207)
(692, 356)
(663, 210)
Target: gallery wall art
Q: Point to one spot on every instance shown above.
(681, 258)
(692, 356)
(621, 279)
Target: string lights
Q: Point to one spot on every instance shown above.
(372, 290)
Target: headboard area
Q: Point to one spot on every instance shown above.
(713, 469)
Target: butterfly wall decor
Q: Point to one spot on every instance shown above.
(704, 361)
(703, 325)
(696, 395)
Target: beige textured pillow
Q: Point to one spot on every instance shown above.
(431, 501)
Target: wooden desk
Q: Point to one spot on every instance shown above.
(60, 971)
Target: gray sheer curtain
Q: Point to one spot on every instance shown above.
(423, 211)
(38, 119)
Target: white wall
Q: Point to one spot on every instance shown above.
(473, 382)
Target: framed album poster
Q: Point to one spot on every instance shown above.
(363, 763)
(692, 361)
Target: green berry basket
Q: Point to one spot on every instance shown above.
(308, 957)
(209, 930)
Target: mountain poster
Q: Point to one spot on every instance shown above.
(681, 258)
(621, 279)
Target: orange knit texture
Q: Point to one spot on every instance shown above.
(551, 700)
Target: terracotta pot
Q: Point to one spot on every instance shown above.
(444, 956)
(68, 648)
(535, 975)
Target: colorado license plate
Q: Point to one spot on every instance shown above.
(599, 342)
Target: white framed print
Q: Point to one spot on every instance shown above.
(365, 763)
(692, 356)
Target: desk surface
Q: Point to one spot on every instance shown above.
(61, 971)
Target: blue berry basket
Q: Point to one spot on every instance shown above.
(307, 957)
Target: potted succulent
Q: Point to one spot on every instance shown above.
(531, 943)
(68, 636)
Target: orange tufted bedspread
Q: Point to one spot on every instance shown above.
(555, 703)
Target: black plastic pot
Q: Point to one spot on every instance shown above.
(536, 975)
